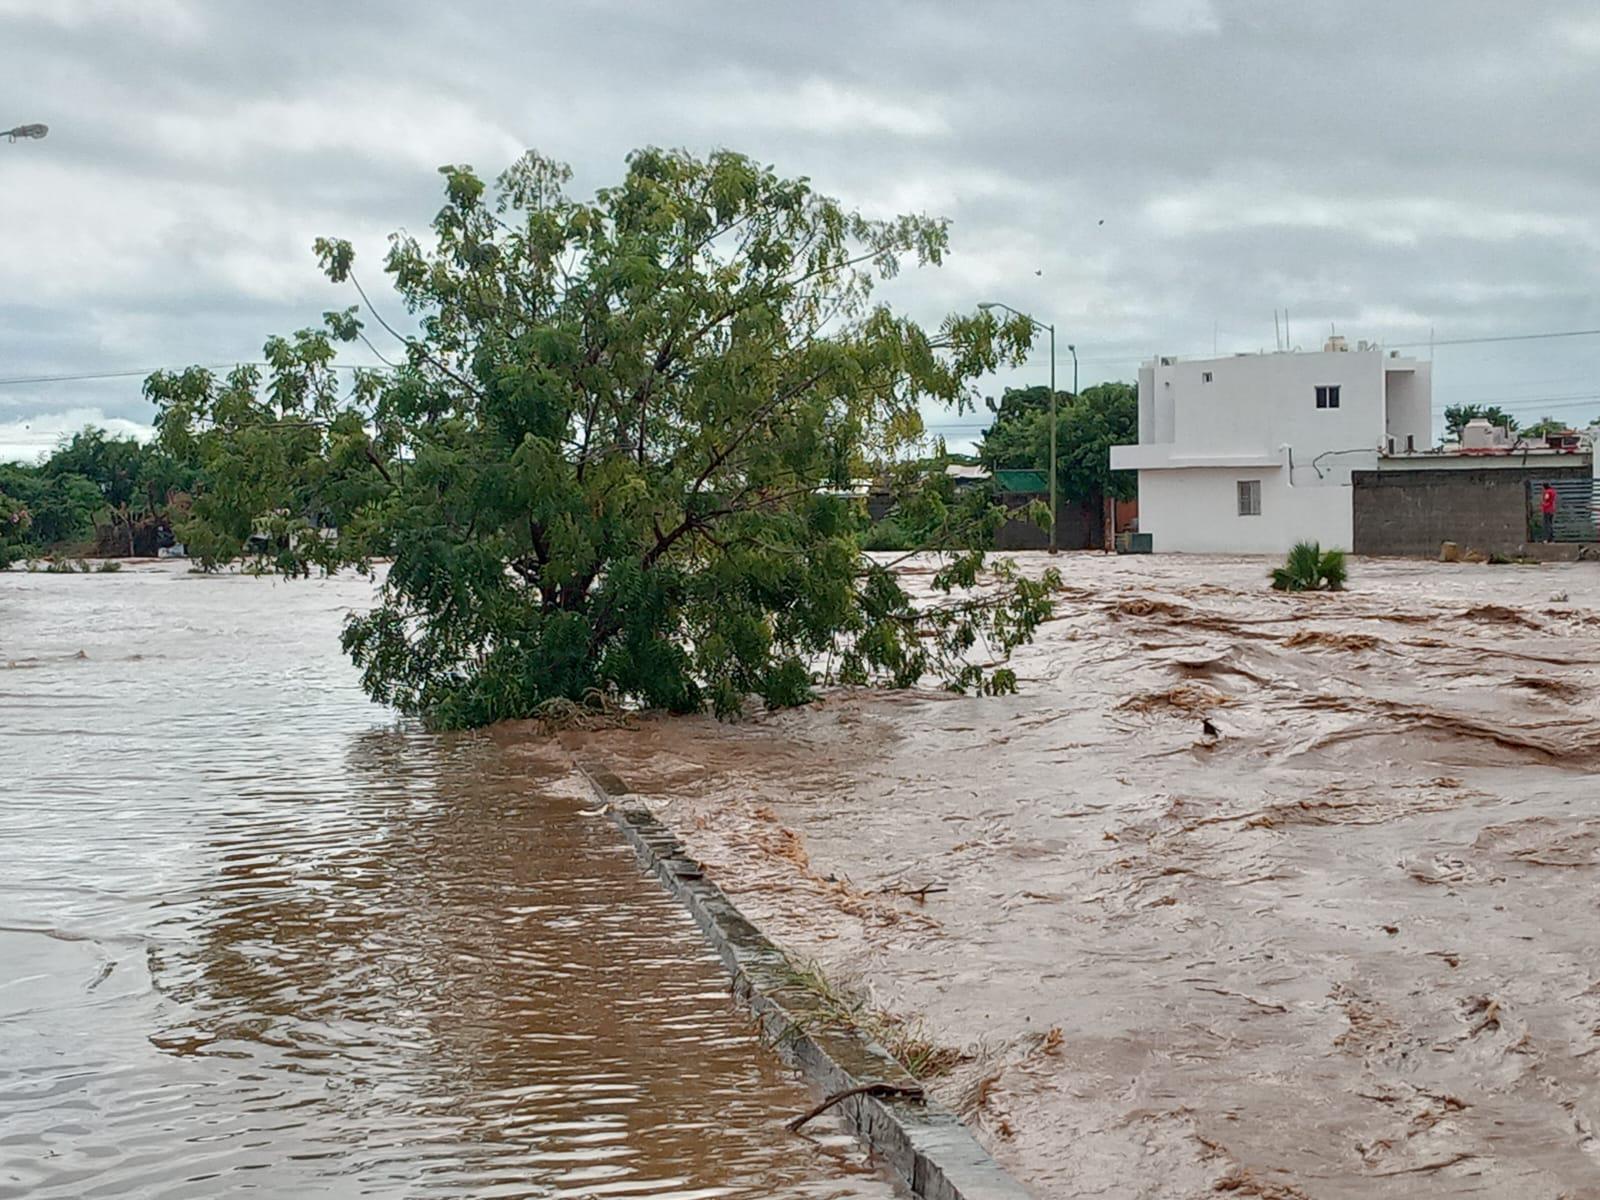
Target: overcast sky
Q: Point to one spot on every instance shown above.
(1395, 169)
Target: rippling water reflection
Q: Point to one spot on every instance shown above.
(257, 938)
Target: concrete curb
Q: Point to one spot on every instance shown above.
(922, 1142)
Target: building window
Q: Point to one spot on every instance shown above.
(1327, 395)
(1205, 376)
(1249, 497)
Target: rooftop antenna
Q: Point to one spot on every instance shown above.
(1288, 342)
(1277, 337)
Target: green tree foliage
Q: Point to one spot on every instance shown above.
(1543, 428)
(285, 452)
(615, 457)
(932, 513)
(1009, 440)
(60, 508)
(93, 482)
(114, 465)
(1309, 568)
(14, 527)
(1456, 417)
(1087, 426)
(1103, 416)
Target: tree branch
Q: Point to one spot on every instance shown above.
(377, 462)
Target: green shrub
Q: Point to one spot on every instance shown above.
(885, 535)
(1309, 568)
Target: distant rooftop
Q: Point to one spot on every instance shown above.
(1026, 482)
(965, 473)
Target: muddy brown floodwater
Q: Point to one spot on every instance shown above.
(257, 938)
(1346, 946)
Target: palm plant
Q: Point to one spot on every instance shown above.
(1309, 568)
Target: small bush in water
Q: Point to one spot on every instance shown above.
(886, 535)
(1310, 567)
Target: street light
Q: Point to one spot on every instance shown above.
(26, 131)
(1051, 329)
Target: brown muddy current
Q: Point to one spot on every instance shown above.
(258, 938)
(1242, 895)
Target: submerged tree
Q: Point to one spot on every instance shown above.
(616, 457)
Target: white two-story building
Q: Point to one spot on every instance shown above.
(1252, 453)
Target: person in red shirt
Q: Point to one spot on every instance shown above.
(1547, 507)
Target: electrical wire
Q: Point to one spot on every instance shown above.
(23, 380)
(1504, 337)
(1487, 339)
(1578, 400)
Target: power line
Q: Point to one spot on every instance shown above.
(1133, 357)
(1505, 337)
(1567, 402)
(1435, 342)
(27, 379)
(22, 380)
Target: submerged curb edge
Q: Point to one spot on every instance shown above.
(922, 1142)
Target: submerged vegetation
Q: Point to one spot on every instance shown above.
(906, 1039)
(618, 455)
(1310, 568)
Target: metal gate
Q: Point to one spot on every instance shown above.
(1577, 510)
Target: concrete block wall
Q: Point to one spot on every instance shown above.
(1078, 527)
(1411, 513)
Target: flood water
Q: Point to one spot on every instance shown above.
(1343, 944)
(257, 936)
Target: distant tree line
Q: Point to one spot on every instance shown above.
(96, 494)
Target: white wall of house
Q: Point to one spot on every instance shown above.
(1196, 510)
(1408, 401)
(1207, 424)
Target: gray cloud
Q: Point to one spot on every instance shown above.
(1390, 168)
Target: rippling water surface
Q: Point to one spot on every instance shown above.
(258, 937)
